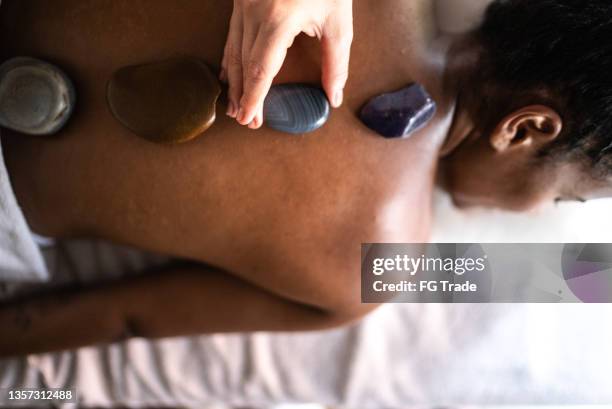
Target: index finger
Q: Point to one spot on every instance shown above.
(265, 61)
(335, 65)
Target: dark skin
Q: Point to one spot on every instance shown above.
(271, 224)
(280, 218)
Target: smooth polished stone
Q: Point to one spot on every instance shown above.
(399, 114)
(171, 101)
(36, 98)
(295, 108)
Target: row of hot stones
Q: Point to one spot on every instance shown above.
(175, 101)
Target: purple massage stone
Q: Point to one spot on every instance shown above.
(399, 114)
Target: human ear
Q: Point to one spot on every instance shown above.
(529, 126)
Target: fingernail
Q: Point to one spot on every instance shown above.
(240, 116)
(231, 110)
(337, 99)
(256, 122)
(223, 75)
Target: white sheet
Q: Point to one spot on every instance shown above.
(20, 258)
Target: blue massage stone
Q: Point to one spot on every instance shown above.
(399, 114)
(295, 108)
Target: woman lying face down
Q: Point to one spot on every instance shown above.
(268, 227)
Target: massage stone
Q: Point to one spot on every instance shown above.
(36, 98)
(399, 114)
(171, 101)
(295, 108)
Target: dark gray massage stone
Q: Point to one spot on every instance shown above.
(295, 108)
(399, 114)
(36, 98)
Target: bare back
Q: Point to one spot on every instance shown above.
(234, 197)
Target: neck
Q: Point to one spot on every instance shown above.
(461, 63)
(461, 66)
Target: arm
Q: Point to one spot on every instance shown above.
(172, 302)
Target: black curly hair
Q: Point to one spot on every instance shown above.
(560, 52)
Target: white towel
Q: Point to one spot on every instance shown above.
(20, 257)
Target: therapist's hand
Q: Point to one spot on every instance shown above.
(260, 33)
